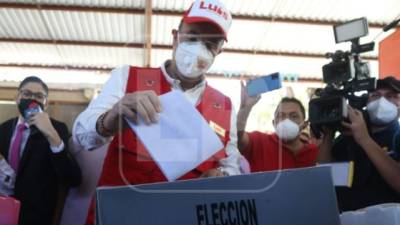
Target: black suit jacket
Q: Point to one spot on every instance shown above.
(40, 173)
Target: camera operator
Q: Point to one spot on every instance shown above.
(374, 151)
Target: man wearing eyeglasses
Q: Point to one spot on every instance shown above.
(131, 92)
(35, 147)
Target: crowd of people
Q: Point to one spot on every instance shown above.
(39, 156)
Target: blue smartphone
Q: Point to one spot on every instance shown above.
(264, 84)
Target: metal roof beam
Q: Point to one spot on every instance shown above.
(76, 8)
(57, 95)
(164, 47)
(141, 11)
(108, 69)
(148, 37)
(56, 67)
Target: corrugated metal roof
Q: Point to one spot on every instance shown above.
(60, 25)
(80, 56)
(276, 36)
(94, 3)
(319, 10)
(95, 26)
(162, 27)
(228, 64)
(21, 23)
(254, 36)
(107, 57)
(327, 10)
(124, 28)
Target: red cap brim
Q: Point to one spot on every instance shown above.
(189, 20)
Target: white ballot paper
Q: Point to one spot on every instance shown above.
(182, 138)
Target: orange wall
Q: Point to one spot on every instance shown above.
(389, 55)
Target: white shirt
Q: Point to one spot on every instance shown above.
(24, 140)
(85, 134)
(7, 178)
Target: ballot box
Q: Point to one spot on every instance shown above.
(292, 197)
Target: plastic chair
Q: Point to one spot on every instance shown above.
(9, 210)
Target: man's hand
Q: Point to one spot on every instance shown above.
(213, 173)
(327, 134)
(246, 104)
(146, 104)
(305, 136)
(42, 121)
(357, 125)
(245, 100)
(324, 144)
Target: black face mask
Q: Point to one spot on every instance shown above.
(29, 106)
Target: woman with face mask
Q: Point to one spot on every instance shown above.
(287, 148)
(375, 151)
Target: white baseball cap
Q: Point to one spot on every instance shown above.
(212, 11)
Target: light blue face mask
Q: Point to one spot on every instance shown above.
(382, 112)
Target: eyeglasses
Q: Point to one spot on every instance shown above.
(39, 96)
(213, 42)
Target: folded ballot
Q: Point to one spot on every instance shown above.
(181, 140)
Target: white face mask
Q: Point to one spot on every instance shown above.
(381, 111)
(193, 59)
(287, 130)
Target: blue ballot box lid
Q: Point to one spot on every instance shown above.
(295, 197)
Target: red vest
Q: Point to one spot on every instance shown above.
(127, 159)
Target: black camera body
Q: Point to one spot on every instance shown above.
(345, 75)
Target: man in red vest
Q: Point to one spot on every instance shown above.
(133, 91)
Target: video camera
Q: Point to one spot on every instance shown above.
(345, 75)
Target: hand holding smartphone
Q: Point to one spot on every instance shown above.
(264, 84)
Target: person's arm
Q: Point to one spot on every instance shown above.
(388, 168)
(246, 104)
(325, 147)
(42, 122)
(106, 115)
(57, 136)
(84, 130)
(230, 164)
(66, 166)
